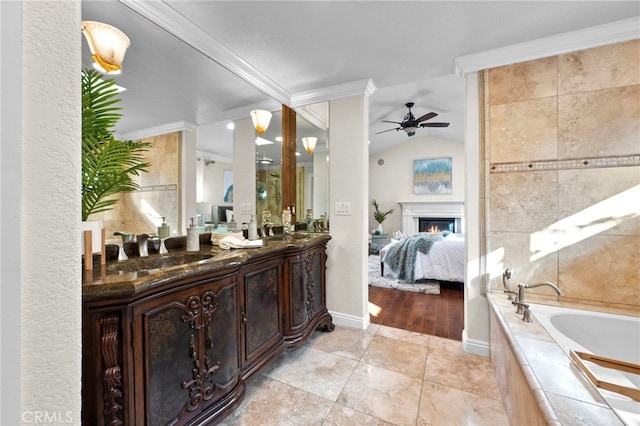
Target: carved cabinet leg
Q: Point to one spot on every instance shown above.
(112, 372)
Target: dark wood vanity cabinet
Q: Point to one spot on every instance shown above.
(176, 348)
(186, 352)
(304, 293)
(260, 314)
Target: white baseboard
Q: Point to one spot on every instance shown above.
(346, 320)
(476, 347)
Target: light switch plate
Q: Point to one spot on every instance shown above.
(343, 208)
(245, 208)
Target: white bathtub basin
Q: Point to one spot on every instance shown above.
(609, 335)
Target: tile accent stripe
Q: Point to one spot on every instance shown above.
(582, 163)
(170, 187)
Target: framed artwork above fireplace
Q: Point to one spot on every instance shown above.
(432, 176)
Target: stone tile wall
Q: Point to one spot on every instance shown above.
(563, 178)
(142, 211)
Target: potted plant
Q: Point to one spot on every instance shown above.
(379, 215)
(108, 164)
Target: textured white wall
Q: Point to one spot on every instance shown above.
(10, 213)
(188, 162)
(244, 168)
(475, 336)
(212, 181)
(50, 319)
(393, 180)
(347, 290)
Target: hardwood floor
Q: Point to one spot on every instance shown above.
(441, 315)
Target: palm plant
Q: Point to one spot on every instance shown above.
(379, 215)
(108, 164)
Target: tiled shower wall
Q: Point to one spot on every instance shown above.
(562, 183)
(142, 211)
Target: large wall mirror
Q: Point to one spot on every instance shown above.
(312, 171)
(311, 168)
(269, 172)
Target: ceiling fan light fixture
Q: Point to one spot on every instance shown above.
(264, 160)
(410, 130)
(309, 144)
(260, 119)
(107, 44)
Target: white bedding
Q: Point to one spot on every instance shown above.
(443, 262)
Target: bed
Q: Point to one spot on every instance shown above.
(425, 256)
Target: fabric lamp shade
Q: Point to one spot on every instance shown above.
(261, 119)
(309, 144)
(108, 45)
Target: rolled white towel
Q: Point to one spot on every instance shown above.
(217, 236)
(230, 242)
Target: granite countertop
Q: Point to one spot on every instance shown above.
(140, 275)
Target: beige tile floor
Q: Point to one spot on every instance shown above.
(378, 376)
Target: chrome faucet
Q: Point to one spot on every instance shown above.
(143, 244)
(521, 288)
(267, 229)
(523, 308)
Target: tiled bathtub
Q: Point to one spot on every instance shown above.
(539, 383)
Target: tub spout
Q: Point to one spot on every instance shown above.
(521, 307)
(547, 283)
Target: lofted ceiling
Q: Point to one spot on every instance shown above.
(211, 62)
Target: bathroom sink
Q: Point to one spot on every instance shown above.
(291, 237)
(156, 262)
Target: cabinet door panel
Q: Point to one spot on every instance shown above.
(189, 351)
(221, 341)
(316, 288)
(168, 343)
(261, 301)
(297, 294)
(262, 323)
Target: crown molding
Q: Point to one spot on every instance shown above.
(313, 117)
(243, 111)
(163, 129)
(186, 30)
(359, 87)
(207, 155)
(600, 35)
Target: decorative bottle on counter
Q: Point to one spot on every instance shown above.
(193, 237)
(286, 221)
(253, 228)
(309, 220)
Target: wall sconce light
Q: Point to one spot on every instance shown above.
(261, 119)
(108, 46)
(309, 144)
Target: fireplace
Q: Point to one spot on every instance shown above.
(415, 211)
(437, 224)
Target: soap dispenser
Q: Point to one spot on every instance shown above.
(193, 237)
(164, 230)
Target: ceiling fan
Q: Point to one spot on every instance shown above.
(409, 123)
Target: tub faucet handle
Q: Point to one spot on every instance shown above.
(143, 244)
(523, 308)
(526, 314)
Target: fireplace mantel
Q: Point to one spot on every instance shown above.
(413, 210)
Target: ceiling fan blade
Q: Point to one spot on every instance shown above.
(427, 116)
(385, 131)
(393, 122)
(434, 125)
